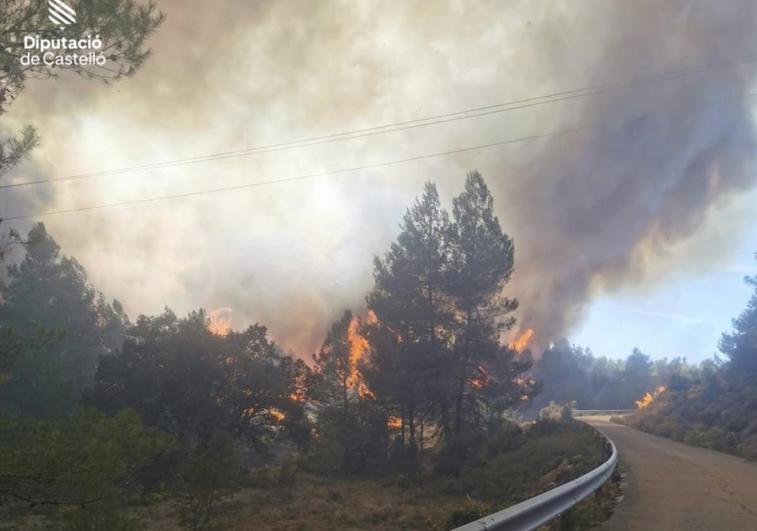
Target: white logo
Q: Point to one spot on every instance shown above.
(60, 13)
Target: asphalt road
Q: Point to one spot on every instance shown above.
(673, 486)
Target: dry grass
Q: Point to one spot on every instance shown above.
(319, 504)
(550, 454)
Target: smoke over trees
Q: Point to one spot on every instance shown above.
(615, 206)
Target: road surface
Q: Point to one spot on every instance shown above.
(673, 486)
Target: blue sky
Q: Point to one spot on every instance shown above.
(683, 316)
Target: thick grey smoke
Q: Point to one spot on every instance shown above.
(590, 212)
(604, 204)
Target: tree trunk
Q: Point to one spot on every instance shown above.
(345, 453)
(421, 439)
(459, 399)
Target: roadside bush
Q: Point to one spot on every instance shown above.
(712, 438)
(74, 460)
(107, 513)
(551, 453)
(471, 447)
(469, 511)
(83, 464)
(213, 470)
(555, 411)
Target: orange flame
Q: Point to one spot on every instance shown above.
(276, 414)
(648, 398)
(219, 321)
(520, 344)
(482, 380)
(358, 348)
(394, 423)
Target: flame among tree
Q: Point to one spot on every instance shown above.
(358, 347)
(394, 423)
(337, 364)
(219, 321)
(648, 398)
(276, 414)
(522, 341)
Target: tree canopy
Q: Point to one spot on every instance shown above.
(49, 291)
(740, 345)
(190, 382)
(436, 350)
(123, 25)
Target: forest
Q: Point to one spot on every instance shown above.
(101, 413)
(570, 373)
(167, 421)
(105, 419)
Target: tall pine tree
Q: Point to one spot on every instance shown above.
(51, 292)
(411, 305)
(437, 345)
(481, 263)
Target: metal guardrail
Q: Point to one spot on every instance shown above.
(586, 412)
(539, 510)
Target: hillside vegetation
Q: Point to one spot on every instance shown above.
(717, 406)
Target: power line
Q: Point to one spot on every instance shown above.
(334, 172)
(554, 97)
(298, 177)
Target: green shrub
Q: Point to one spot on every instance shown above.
(213, 469)
(470, 510)
(550, 453)
(82, 462)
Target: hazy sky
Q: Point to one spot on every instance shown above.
(683, 316)
(635, 232)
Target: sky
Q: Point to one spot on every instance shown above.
(632, 227)
(683, 315)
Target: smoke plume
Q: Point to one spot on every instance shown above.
(590, 211)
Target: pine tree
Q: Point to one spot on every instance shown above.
(412, 307)
(481, 263)
(333, 370)
(437, 352)
(740, 346)
(50, 291)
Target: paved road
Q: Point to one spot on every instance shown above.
(673, 486)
